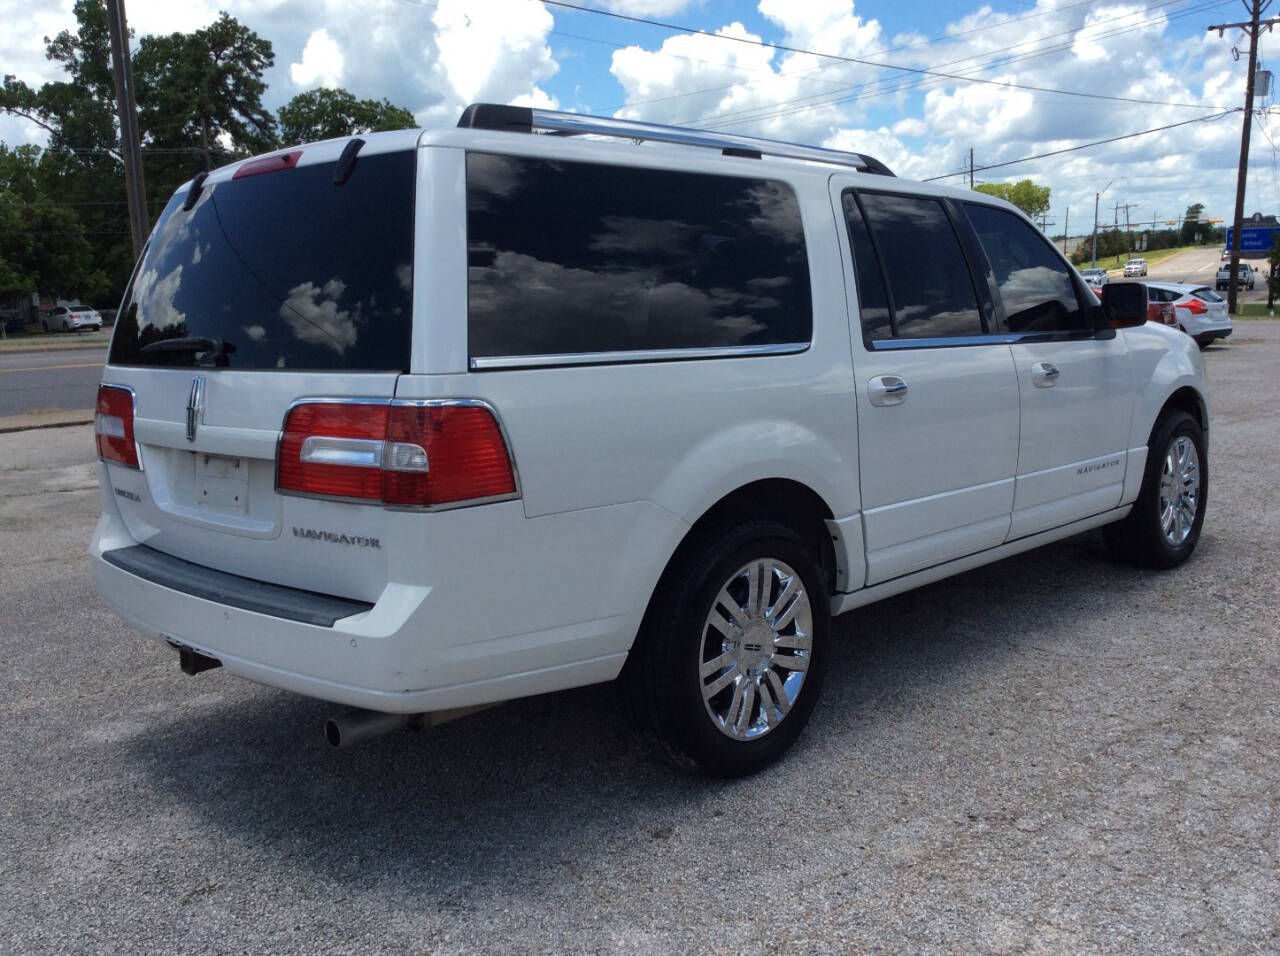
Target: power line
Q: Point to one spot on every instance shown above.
(772, 110)
(865, 62)
(1098, 142)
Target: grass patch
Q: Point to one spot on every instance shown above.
(1255, 310)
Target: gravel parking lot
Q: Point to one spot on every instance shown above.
(1051, 753)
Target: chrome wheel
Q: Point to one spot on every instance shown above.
(756, 646)
(1179, 490)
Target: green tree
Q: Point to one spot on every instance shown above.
(80, 171)
(1191, 223)
(1026, 195)
(327, 114)
(42, 243)
(201, 93)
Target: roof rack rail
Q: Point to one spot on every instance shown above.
(524, 119)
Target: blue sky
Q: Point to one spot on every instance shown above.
(434, 56)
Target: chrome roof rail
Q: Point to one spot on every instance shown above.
(524, 119)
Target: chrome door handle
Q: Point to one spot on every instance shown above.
(1044, 375)
(887, 390)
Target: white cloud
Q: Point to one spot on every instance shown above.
(497, 51)
(646, 8)
(321, 62)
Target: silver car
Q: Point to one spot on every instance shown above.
(73, 318)
(1201, 312)
(1135, 267)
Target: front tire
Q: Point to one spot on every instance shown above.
(1164, 525)
(730, 658)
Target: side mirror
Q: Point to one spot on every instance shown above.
(1124, 305)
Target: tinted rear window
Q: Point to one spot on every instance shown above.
(289, 269)
(929, 280)
(568, 257)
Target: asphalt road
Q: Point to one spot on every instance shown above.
(1051, 754)
(1200, 267)
(45, 381)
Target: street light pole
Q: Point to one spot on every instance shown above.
(1096, 197)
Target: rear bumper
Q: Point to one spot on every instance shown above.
(417, 648)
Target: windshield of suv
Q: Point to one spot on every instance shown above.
(283, 270)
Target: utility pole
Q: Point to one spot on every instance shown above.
(970, 169)
(1096, 197)
(130, 146)
(1256, 8)
(1066, 225)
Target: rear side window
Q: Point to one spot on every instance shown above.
(1207, 295)
(568, 257)
(289, 270)
(1035, 285)
(930, 287)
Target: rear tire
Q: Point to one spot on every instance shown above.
(730, 658)
(1164, 525)
(1204, 341)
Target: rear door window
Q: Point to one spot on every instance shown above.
(288, 269)
(930, 288)
(569, 257)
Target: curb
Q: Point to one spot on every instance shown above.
(10, 429)
(27, 350)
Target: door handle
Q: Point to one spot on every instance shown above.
(887, 390)
(1044, 375)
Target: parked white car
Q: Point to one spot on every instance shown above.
(1201, 312)
(72, 318)
(439, 419)
(1096, 278)
(1135, 267)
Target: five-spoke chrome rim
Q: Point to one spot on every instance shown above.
(1179, 490)
(756, 647)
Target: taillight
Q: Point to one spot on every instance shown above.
(113, 426)
(405, 454)
(1195, 306)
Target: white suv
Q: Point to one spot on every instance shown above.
(424, 421)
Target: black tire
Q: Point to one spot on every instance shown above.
(663, 682)
(1204, 341)
(1140, 539)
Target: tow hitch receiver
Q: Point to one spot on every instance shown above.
(192, 661)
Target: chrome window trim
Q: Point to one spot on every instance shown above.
(494, 362)
(997, 338)
(403, 402)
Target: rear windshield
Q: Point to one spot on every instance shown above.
(286, 269)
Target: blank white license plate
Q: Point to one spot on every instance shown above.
(222, 483)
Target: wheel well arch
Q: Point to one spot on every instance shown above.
(1185, 399)
(785, 500)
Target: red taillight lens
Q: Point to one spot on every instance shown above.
(333, 450)
(466, 455)
(414, 455)
(113, 426)
(268, 164)
(1195, 306)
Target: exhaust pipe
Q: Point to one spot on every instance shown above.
(356, 726)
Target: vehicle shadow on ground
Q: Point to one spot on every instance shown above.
(495, 797)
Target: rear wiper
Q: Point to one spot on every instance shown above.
(209, 352)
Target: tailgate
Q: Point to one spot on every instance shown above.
(281, 279)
